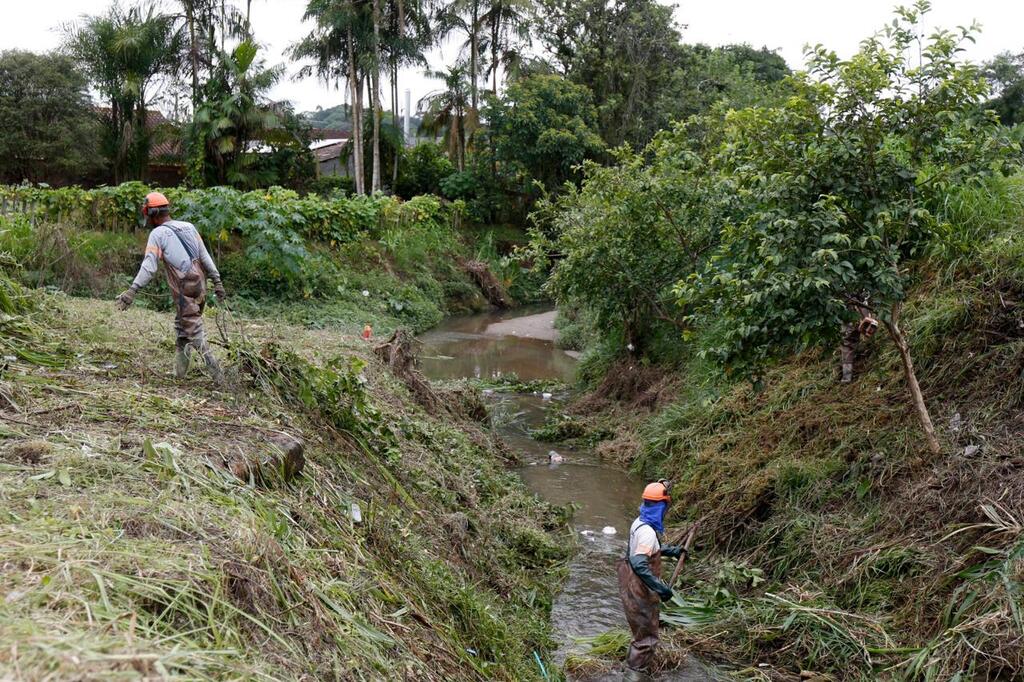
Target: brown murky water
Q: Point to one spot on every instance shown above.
(496, 344)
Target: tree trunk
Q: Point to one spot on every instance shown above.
(394, 121)
(473, 52)
(360, 147)
(193, 54)
(495, 31)
(375, 95)
(356, 139)
(903, 348)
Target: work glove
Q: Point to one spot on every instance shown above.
(218, 288)
(673, 551)
(125, 299)
(641, 566)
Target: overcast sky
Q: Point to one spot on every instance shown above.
(786, 25)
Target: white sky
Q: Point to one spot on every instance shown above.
(783, 24)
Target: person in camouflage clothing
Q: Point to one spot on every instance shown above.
(187, 265)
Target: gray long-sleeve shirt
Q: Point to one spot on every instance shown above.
(164, 245)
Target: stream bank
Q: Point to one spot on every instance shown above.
(497, 344)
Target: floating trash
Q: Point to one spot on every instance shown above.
(555, 458)
(545, 396)
(609, 530)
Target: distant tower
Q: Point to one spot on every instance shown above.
(408, 114)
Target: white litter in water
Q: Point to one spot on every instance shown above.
(609, 530)
(356, 512)
(588, 533)
(555, 458)
(545, 396)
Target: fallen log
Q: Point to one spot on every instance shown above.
(492, 288)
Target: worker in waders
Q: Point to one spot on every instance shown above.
(850, 336)
(187, 264)
(640, 584)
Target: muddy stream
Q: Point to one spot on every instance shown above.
(522, 343)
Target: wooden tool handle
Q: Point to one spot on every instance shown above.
(682, 558)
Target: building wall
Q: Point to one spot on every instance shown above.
(336, 167)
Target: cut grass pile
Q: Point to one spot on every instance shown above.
(130, 550)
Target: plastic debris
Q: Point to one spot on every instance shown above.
(971, 450)
(555, 458)
(366, 293)
(356, 513)
(609, 530)
(955, 422)
(545, 396)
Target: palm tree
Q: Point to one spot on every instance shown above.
(337, 47)
(123, 51)
(508, 24)
(234, 113)
(200, 20)
(465, 16)
(407, 35)
(449, 112)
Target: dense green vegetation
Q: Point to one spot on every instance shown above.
(865, 531)
(56, 136)
(319, 261)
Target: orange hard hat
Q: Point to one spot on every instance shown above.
(154, 200)
(657, 491)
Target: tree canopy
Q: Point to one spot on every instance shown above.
(49, 130)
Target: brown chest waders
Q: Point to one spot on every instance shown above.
(189, 291)
(643, 607)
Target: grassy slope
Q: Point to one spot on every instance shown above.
(832, 542)
(130, 551)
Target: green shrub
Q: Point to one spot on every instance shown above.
(424, 168)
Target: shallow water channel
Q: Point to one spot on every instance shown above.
(521, 342)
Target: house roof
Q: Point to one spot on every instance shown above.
(328, 134)
(329, 151)
(164, 146)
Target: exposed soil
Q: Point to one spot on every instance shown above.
(540, 326)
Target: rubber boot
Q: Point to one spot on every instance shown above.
(212, 366)
(847, 373)
(181, 361)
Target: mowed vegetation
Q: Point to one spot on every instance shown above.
(151, 529)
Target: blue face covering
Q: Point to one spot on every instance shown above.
(653, 514)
